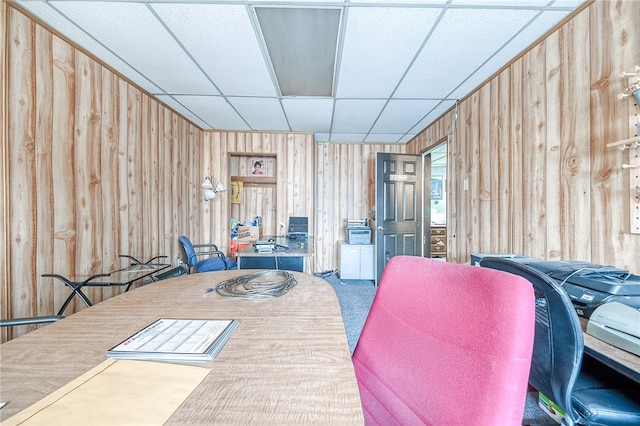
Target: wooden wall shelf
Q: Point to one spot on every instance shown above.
(255, 180)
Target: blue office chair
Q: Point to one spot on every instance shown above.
(204, 257)
(587, 391)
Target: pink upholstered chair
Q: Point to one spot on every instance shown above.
(446, 344)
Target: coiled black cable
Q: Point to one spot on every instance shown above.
(259, 285)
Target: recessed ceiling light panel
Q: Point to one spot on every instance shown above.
(301, 43)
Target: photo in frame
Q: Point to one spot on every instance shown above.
(436, 187)
(257, 166)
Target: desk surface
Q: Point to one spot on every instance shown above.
(288, 361)
(616, 358)
(298, 248)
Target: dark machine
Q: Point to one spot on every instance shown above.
(298, 228)
(588, 285)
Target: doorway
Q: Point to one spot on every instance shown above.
(398, 220)
(435, 203)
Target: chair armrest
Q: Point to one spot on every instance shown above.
(11, 322)
(211, 245)
(216, 252)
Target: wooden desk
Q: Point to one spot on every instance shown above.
(616, 358)
(287, 363)
(294, 259)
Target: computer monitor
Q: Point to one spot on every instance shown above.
(298, 227)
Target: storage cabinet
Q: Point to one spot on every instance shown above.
(439, 241)
(357, 261)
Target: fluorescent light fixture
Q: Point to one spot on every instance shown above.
(301, 43)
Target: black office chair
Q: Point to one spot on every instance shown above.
(204, 257)
(587, 391)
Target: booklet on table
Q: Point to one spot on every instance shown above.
(182, 340)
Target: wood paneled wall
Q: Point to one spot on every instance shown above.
(531, 144)
(95, 168)
(295, 180)
(4, 173)
(345, 189)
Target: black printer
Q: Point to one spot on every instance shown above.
(590, 285)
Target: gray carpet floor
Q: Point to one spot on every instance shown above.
(355, 298)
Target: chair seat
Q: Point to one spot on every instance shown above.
(215, 264)
(608, 406)
(603, 396)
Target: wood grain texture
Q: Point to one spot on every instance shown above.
(5, 265)
(287, 363)
(345, 189)
(532, 143)
(95, 167)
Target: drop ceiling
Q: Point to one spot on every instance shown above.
(397, 65)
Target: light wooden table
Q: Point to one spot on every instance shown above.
(287, 363)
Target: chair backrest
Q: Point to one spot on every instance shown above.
(189, 252)
(445, 344)
(558, 343)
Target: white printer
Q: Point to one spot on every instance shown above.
(617, 324)
(358, 231)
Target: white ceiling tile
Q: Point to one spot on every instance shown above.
(261, 113)
(429, 2)
(568, 3)
(507, 3)
(348, 137)
(379, 45)
(520, 3)
(215, 111)
(407, 138)
(69, 30)
(433, 115)
(462, 42)
(356, 115)
(291, 3)
(400, 115)
(132, 32)
(383, 137)
(517, 45)
(309, 114)
(146, 43)
(180, 109)
(321, 137)
(222, 41)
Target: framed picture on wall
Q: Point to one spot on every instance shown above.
(436, 187)
(257, 166)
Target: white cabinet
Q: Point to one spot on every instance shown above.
(357, 261)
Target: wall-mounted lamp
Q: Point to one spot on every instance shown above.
(209, 191)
